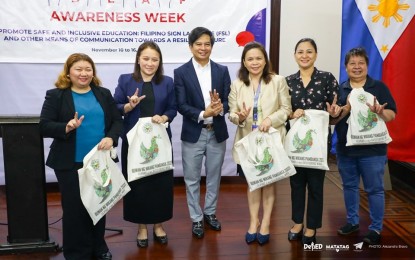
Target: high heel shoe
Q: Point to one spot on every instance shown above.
(142, 243)
(262, 239)
(295, 236)
(308, 240)
(250, 238)
(160, 239)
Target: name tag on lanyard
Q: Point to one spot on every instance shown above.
(255, 109)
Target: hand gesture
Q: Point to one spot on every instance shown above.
(135, 99)
(213, 109)
(297, 113)
(159, 119)
(105, 144)
(265, 125)
(376, 108)
(244, 113)
(214, 96)
(215, 99)
(334, 109)
(74, 123)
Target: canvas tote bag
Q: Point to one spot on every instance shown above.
(365, 127)
(149, 150)
(263, 159)
(306, 141)
(101, 183)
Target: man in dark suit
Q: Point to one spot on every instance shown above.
(202, 88)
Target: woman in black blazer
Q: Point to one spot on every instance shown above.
(78, 114)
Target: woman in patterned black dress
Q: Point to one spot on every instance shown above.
(310, 88)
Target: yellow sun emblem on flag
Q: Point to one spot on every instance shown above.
(388, 9)
(384, 48)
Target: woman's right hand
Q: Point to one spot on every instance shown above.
(74, 123)
(297, 113)
(133, 101)
(244, 113)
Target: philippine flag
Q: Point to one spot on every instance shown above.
(386, 29)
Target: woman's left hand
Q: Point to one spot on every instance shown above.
(376, 108)
(265, 125)
(334, 109)
(159, 119)
(105, 144)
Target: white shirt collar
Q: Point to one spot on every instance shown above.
(197, 66)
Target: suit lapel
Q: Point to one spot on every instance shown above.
(214, 75)
(194, 80)
(67, 101)
(98, 95)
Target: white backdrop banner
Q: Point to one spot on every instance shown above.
(44, 31)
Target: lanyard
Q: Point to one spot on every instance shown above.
(255, 109)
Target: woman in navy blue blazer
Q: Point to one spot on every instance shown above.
(147, 93)
(78, 114)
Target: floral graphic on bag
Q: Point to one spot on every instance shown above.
(149, 153)
(361, 98)
(305, 120)
(147, 128)
(100, 190)
(305, 144)
(264, 165)
(367, 122)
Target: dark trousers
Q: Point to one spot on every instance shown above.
(313, 180)
(81, 239)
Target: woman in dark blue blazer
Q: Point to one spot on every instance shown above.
(78, 114)
(147, 93)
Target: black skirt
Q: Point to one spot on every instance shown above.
(150, 200)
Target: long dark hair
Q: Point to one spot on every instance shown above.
(267, 73)
(311, 41)
(159, 75)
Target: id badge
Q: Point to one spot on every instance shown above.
(255, 114)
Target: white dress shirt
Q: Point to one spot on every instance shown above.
(204, 76)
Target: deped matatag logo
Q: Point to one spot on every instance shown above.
(337, 248)
(313, 247)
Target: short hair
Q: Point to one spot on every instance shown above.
(158, 76)
(197, 32)
(243, 73)
(64, 81)
(311, 41)
(359, 51)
